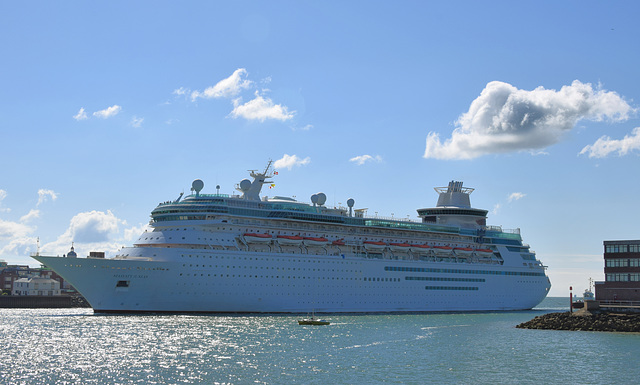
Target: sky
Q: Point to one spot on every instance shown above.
(108, 108)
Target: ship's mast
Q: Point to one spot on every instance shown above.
(251, 190)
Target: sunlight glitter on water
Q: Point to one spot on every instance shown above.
(74, 346)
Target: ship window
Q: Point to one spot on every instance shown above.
(122, 284)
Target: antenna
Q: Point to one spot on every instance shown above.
(266, 170)
(350, 203)
(197, 186)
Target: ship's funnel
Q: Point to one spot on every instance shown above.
(454, 195)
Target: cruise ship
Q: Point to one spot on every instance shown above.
(243, 253)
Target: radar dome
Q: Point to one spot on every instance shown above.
(197, 185)
(245, 185)
(321, 198)
(314, 199)
(350, 202)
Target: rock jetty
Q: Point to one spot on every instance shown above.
(585, 321)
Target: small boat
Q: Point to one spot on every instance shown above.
(442, 250)
(311, 241)
(399, 246)
(313, 321)
(420, 249)
(371, 245)
(257, 238)
(338, 242)
(463, 251)
(289, 239)
(486, 253)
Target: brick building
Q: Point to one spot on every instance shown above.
(621, 271)
(11, 273)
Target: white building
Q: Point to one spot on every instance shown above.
(36, 286)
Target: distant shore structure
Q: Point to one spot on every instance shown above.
(622, 273)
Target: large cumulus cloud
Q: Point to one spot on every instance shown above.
(506, 119)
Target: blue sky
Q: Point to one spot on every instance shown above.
(108, 108)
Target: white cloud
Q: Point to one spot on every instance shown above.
(93, 226)
(362, 159)
(131, 234)
(19, 246)
(225, 88)
(3, 194)
(604, 146)
(9, 230)
(288, 161)
(43, 195)
(266, 80)
(33, 213)
(261, 109)
(496, 209)
(81, 115)
(136, 122)
(181, 91)
(108, 112)
(304, 128)
(516, 196)
(505, 119)
(91, 231)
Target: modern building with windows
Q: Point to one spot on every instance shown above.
(621, 271)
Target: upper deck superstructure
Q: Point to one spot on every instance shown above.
(423, 265)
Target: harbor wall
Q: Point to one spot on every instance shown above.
(37, 301)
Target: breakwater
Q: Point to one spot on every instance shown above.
(585, 321)
(36, 301)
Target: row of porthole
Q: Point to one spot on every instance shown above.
(272, 268)
(277, 277)
(288, 260)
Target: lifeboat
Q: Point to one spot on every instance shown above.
(311, 241)
(421, 249)
(289, 239)
(486, 253)
(399, 246)
(463, 251)
(338, 242)
(442, 251)
(371, 245)
(256, 238)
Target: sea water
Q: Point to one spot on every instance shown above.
(75, 346)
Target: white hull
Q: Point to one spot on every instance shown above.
(252, 282)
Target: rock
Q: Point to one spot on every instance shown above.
(585, 321)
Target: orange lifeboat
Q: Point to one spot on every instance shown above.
(256, 238)
(442, 251)
(372, 245)
(338, 242)
(463, 251)
(399, 246)
(289, 239)
(421, 249)
(486, 253)
(312, 241)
